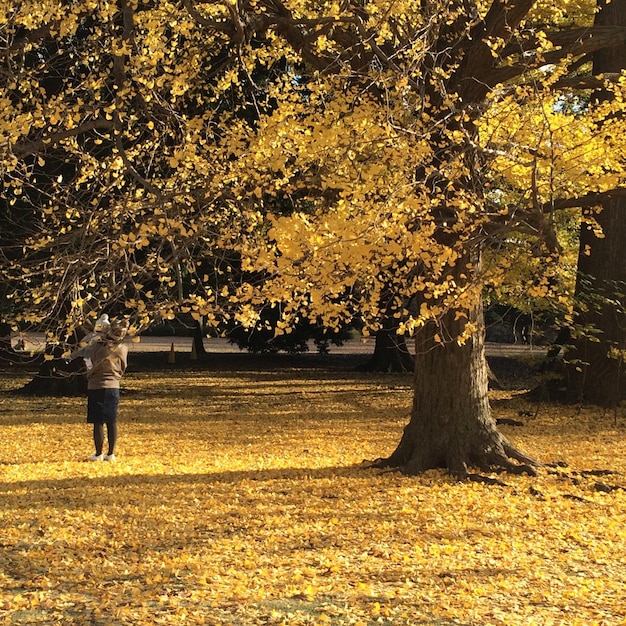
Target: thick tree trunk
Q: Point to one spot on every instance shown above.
(451, 424)
(595, 371)
(596, 364)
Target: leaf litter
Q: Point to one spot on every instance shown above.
(242, 498)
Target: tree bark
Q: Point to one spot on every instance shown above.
(451, 423)
(595, 371)
(391, 352)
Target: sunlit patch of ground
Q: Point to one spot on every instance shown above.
(239, 497)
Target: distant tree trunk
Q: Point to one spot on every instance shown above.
(391, 353)
(6, 350)
(198, 337)
(595, 366)
(57, 376)
(595, 371)
(451, 423)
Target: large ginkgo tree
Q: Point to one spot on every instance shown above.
(333, 160)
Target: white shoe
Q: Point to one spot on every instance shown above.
(109, 457)
(96, 457)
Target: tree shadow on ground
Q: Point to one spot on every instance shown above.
(63, 489)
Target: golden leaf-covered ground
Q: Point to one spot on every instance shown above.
(239, 497)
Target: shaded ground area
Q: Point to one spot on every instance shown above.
(514, 365)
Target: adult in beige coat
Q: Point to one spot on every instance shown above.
(106, 358)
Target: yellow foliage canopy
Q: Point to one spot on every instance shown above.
(214, 158)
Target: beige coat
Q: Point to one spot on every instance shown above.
(108, 364)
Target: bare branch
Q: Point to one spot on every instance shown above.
(31, 37)
(133, 171)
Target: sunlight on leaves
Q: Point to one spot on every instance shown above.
(241, 498)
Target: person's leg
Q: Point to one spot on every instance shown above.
(111, 436)
(94, 416)
(111, 406)
(98, 437)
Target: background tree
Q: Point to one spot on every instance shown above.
(110, 149)
(596, 370)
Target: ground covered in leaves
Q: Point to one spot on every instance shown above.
(239, 497)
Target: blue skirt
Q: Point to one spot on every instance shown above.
(102, 405)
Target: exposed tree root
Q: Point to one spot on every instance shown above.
(380, 463)
(508, 422)
(573, 477)
(502, 459)
(485, 449)
(486, 480)
(518, 470)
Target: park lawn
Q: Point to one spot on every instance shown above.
(241, 497)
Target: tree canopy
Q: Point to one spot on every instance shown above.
(214, 157)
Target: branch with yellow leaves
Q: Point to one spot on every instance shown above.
(33, 147)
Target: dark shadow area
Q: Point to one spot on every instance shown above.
(63, 489)
(511, 371)
(515, 373)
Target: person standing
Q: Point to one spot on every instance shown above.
(106, 359)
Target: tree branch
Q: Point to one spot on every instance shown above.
(31, 37)
(503, 18)
(588, 200)
(33, 147)
(225, 27)
(587, 82)
(479, 72)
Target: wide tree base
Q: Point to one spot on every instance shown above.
(451, 425)
(496, 456)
